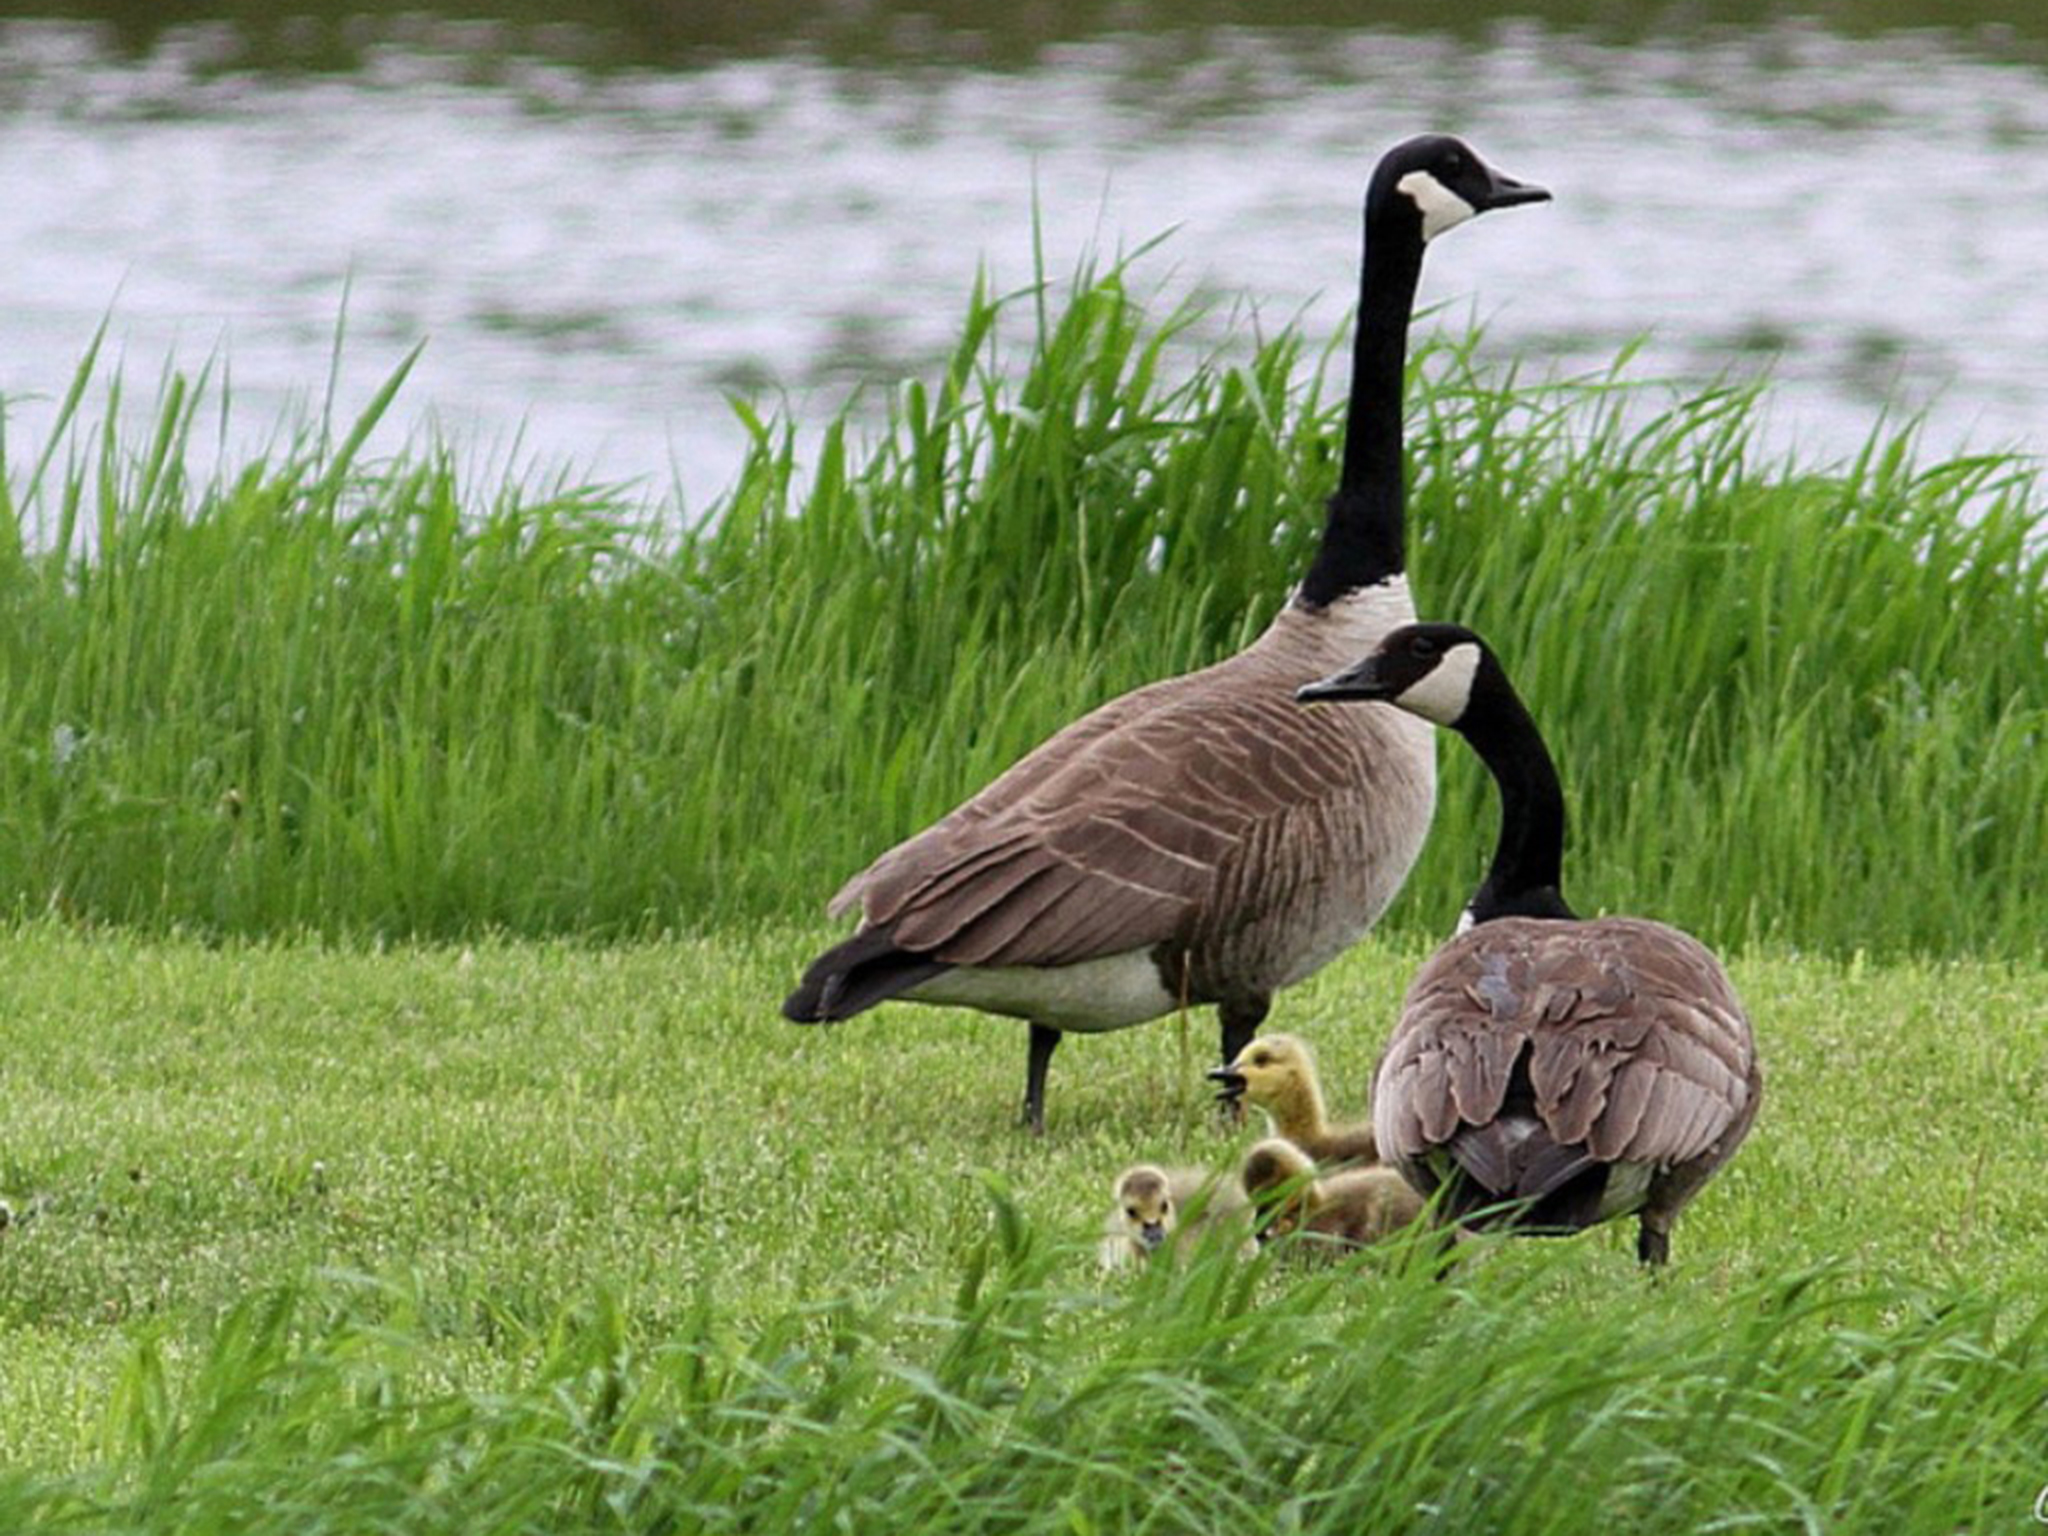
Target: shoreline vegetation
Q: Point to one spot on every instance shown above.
(223, 36)
(400, 873)
(372, 699)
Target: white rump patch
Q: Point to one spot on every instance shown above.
(1443, 694)
(1442, 208)
(1628, 1186)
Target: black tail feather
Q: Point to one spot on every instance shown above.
(853, 976)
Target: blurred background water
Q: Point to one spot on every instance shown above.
(601, 229)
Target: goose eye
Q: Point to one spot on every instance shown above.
(1131, 1211)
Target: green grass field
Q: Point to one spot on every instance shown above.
(545, 1238)
(399, 1135)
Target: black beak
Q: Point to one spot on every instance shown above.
(1229, 1085)
(1506, 192)
(1359, 682)
(1152, 1234)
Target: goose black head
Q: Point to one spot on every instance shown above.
(1426, 669)
(1440, 182)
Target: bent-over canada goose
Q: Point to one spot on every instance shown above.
(1569, 1069)
(1155, 1204)
(1355, 1206)
(1278, 1073)
(1198, 840)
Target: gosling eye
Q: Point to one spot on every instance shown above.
(1131, 1211)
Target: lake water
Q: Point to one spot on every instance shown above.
(595, 257)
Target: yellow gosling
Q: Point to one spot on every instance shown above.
(1352, 1207)
(1278, 1073)
(1170, 1208)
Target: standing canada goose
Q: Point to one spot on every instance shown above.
(1571, 1069)
(1278, 1074)
(1355, 1207)
(1198, 840)
(1155, 1204)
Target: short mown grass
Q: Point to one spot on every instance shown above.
(548, 1238)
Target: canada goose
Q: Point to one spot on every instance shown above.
(1576, 1069)
(1278, 1074)
(1356, 1206)
(1154, 1204)
(1197, 840)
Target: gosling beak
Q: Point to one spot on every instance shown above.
(1230, 1084)
(1152, 1234)
(1360, 682)
(1506, 192)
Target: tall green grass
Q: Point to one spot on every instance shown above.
(319, 691)
(1221, 1398)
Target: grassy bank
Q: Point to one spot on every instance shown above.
(327, 35)
(320, 692)
(540, 1238)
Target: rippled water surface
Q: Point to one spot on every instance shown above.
(595, 258)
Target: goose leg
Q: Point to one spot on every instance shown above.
(1238, 1022)
(1653, 1243)
(1043, 1043)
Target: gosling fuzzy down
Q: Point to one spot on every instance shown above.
(1351, 1208)
(1278, 1074)
(1170, 1208)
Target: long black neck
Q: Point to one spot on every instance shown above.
(1364, 537)
(1525, 878)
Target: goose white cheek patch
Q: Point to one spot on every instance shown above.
(1442, 208)
(1442, 695)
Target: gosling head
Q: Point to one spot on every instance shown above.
(1276, 1177)
(1265, 1070)
(1145, 1198)
(1437, 182)
(1431, 670)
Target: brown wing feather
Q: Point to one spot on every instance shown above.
(991, 915)
(1021, 779)
(1114, 834)
(1638, 1046)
